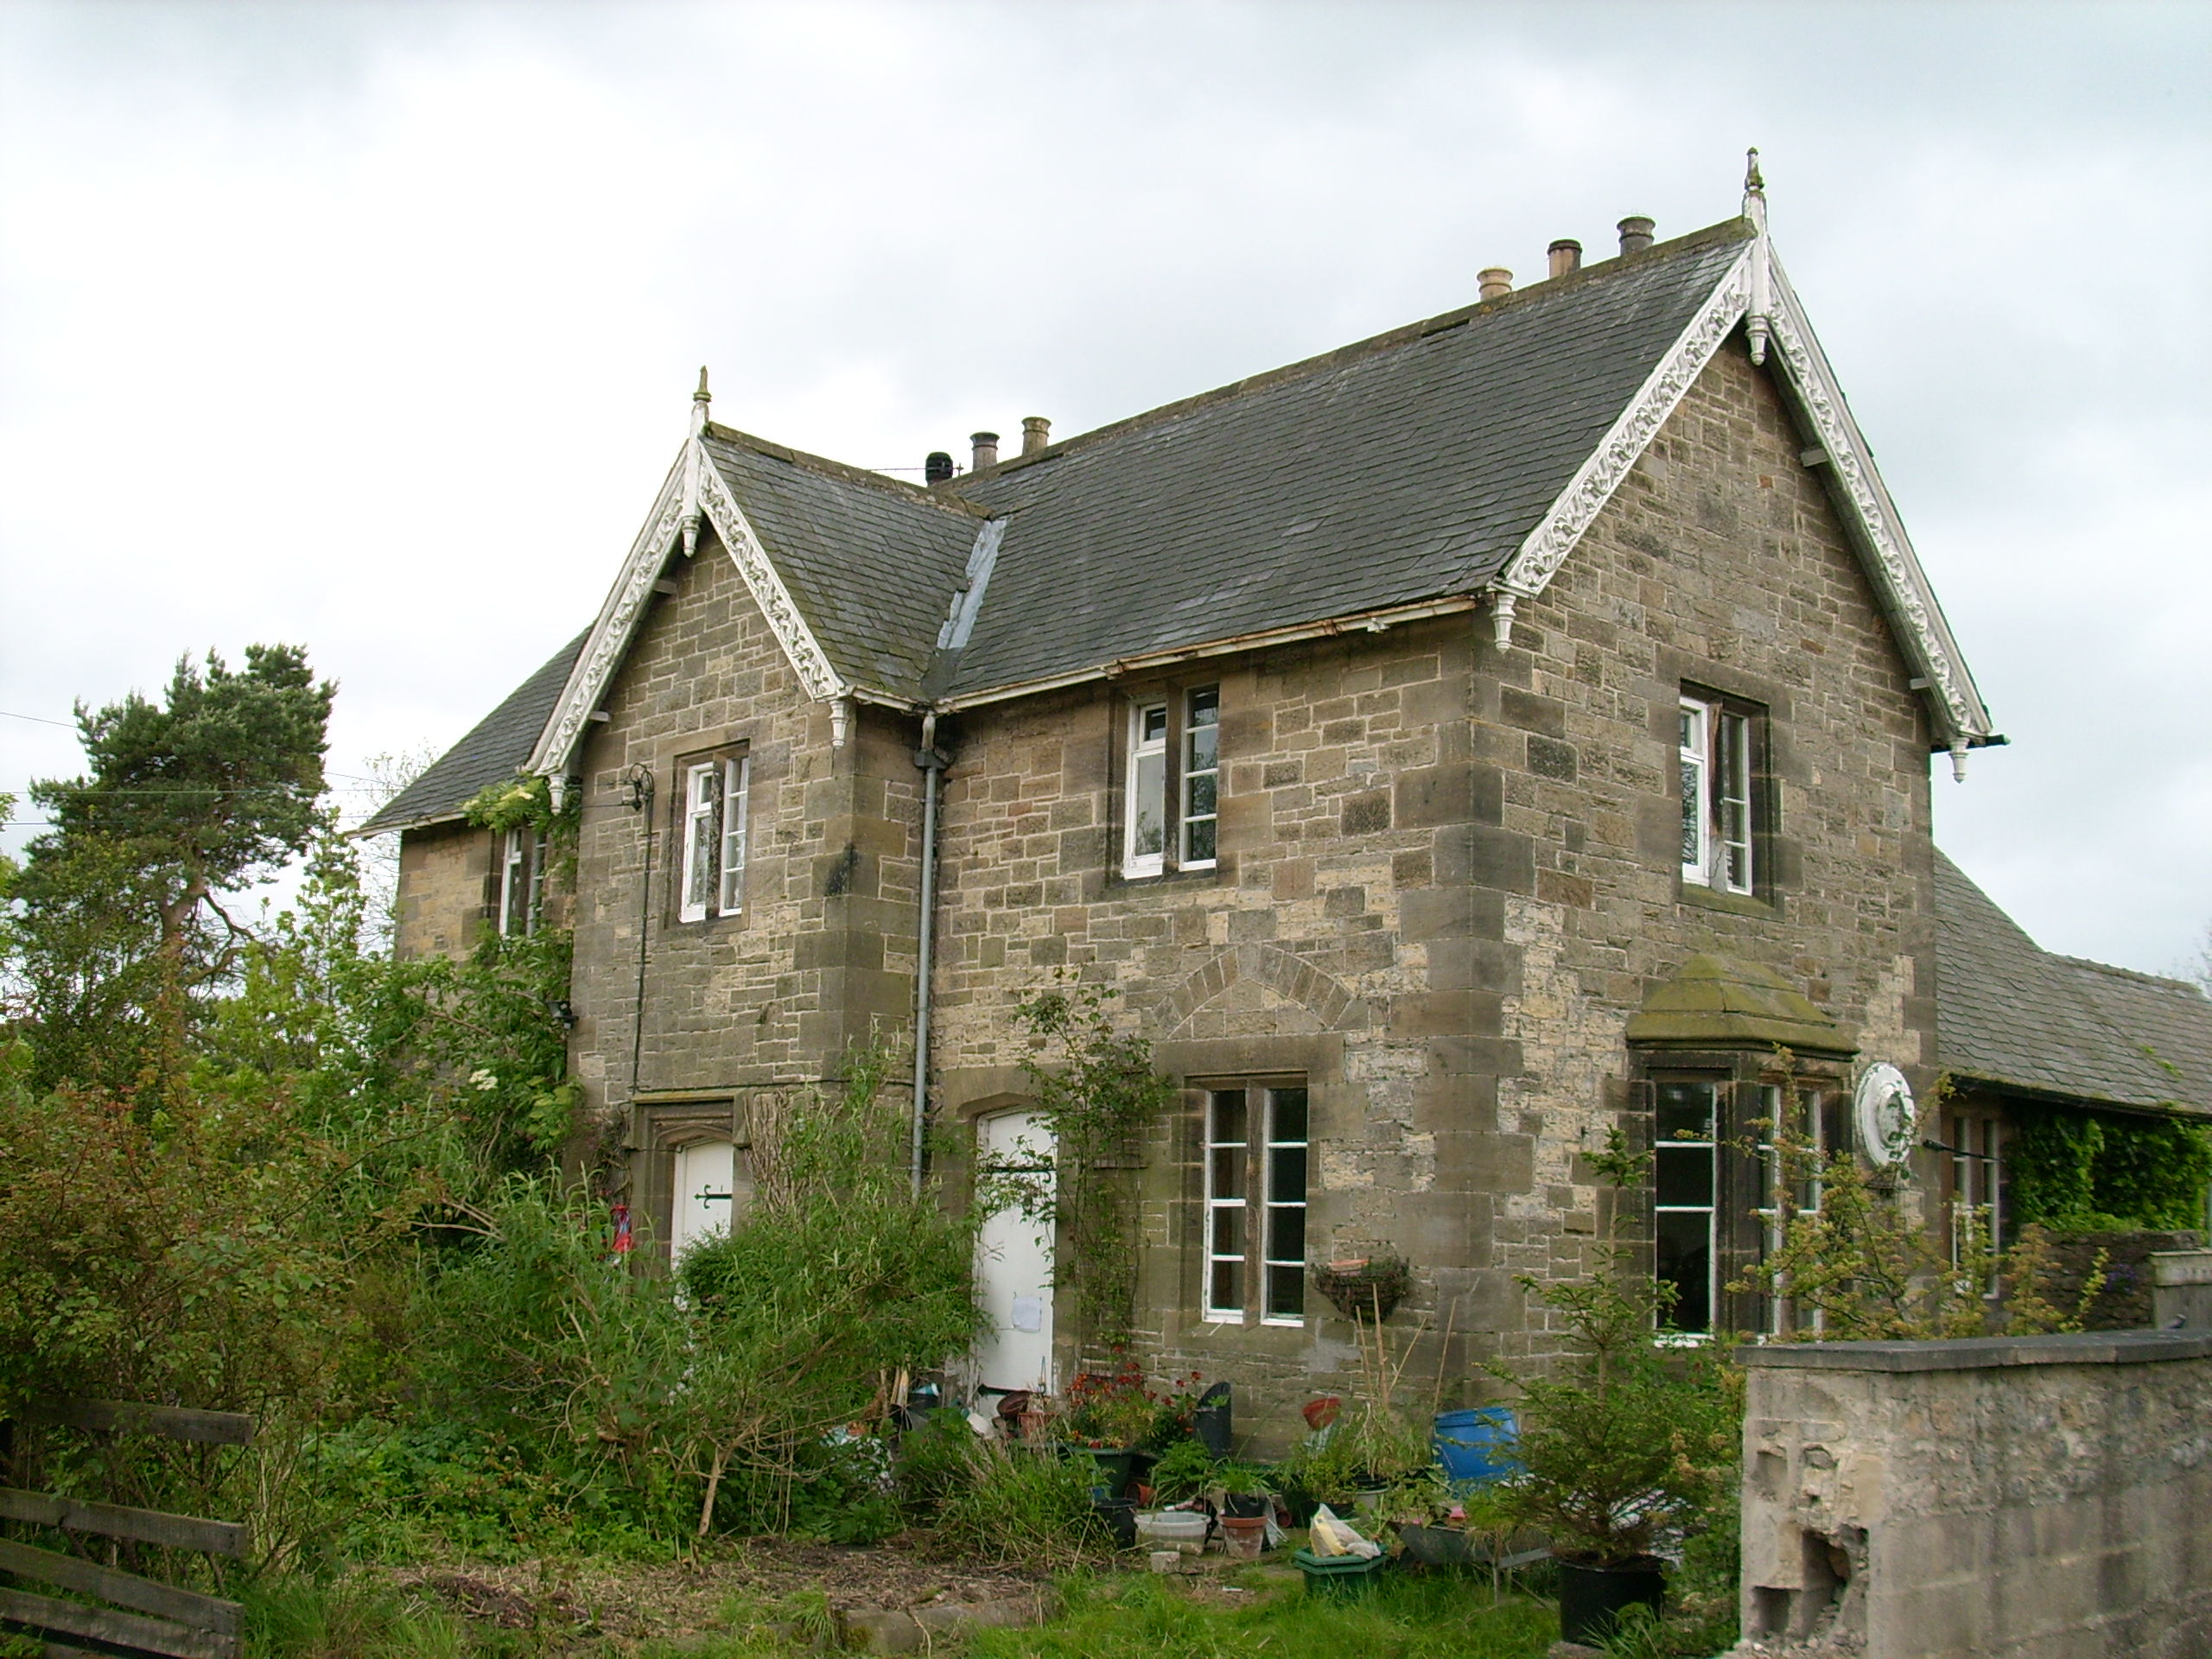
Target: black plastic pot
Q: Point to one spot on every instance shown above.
(1120, 1518)
(1112, 1479)
(1252, 1508)
(1210, 1422)
(1592, 1594)
(1301, 1504)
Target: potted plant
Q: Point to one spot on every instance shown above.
(1426, 1513)
(1625, 1445)
(1245, 1489)
(1184, 1471)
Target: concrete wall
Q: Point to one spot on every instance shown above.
(2006, 1497)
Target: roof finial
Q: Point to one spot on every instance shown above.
(1754, 191)
(700, 399)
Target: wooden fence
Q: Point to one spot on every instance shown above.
(141, 1616)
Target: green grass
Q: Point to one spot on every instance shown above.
(1115, 1616)
(1407, 1618)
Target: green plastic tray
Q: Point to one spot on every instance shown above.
(1338, 1575)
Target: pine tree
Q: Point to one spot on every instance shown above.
(121, 928)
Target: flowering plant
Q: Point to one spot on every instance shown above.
(1121, 1408)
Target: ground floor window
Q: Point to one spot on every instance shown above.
(1735, 1150)
(1800, 1128)
(1972, 1153)
(1255, 1226)
(1686, 1183)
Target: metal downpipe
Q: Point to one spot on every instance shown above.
(933, 765)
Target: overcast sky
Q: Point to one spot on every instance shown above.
(373, 326)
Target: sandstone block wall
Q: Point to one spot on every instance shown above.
(2013, 1498)
(1449, 876)
(446, 890)
(822, 956)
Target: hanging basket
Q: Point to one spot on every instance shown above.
(1365, 1289)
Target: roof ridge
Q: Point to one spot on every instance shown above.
(2164, 982)
(847, 472)
(1737, 229)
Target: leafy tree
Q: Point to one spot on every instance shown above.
(122, 928)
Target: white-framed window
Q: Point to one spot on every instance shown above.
(1821, 1131)
(1201, 777)
(1686, 1156)
(1144, 839)
(1255, 1155)
(714, 830)
(1716, 787)
(522, 880)
(1974, 1181)
(1172, 784)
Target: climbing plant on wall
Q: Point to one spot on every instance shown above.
(1097, 1090)
(2082, 1171)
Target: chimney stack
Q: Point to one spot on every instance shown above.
(1036, 434)
(1636, 234)
(987, 449)
(1497, 283)
(937, 468)
(1566, 256)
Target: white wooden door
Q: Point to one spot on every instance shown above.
(1013, 1256)
(707, 1195)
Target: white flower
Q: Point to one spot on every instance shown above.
(484, 1078)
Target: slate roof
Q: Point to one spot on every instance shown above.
(2009, 1012)
(871, 563)
(1408, 466)
(496, 748)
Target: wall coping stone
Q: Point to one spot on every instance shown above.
(1985, 1353)
(2170, 1268)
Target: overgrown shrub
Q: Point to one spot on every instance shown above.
(1023, 1504)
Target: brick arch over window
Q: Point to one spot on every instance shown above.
(1326, 998)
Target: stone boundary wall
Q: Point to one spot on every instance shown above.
(2000, 1497)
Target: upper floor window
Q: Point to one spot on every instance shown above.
(1255, 1152)
(1201, 776)
(1718, 830)
(1173, 783)
(522, 880)
(713, 875)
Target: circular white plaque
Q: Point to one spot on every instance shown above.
(1885, 1116)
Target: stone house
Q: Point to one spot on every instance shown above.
(1511, 726)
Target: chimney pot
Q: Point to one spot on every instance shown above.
(1566, 256)
(936, 466)
(1497, 283)
(1036, 434)
(987, 449)
(1636, 234)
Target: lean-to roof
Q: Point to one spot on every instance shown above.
(2009, 1012)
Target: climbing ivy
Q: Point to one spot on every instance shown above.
(1097, 1090)
(527, 804)
(2081, 1170)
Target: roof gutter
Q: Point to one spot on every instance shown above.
(2047, 1097)
(1357, 622)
